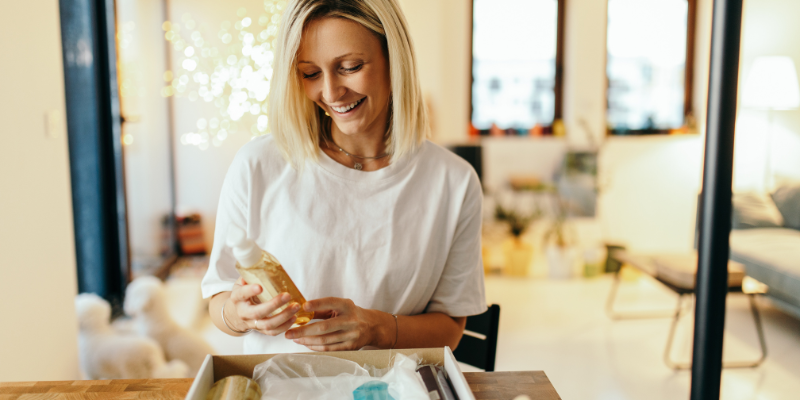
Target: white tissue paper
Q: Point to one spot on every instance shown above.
(312, 377)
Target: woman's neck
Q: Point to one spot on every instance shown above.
(360, 144)
(367, 145)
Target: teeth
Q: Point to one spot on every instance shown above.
(347, 107)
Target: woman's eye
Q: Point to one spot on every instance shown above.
(310, 76)
(354, 69)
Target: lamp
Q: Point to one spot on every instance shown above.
(771, 85)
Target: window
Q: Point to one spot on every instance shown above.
(650, 43)
(516, 64)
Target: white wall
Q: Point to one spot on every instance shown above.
(441, 31)
(199, 173)
(38, 339)
(506, 156)
(770, 28)
(650, 199)
(649, 184)
(649, 188)
(585, 71)
(147, 171)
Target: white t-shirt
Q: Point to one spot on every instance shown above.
(405, 239)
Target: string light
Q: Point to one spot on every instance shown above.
(131, 80)
(234, 76)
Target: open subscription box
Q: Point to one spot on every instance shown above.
(217, 367)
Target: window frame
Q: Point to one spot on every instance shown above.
(688, 81)
(558, 87)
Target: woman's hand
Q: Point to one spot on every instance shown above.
(251, 315)
(345, 326)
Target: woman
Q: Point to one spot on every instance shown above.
(375, 224)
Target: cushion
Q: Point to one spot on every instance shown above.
(787, 199)
(680, 270)
(755, 210)
(771, 256)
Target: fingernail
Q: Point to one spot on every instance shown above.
(296, 341)
(296, 307)
(286, 297)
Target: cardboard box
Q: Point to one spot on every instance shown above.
(217, 367)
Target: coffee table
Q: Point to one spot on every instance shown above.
(678, 272)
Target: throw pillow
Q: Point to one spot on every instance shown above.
(755, 210)
(787, 199)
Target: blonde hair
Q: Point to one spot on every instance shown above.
(296, 122)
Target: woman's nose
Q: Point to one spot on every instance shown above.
(332, 89)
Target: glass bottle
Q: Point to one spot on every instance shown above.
(259, 267)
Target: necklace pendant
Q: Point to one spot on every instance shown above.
(358, 166)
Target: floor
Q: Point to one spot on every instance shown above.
(560, 327)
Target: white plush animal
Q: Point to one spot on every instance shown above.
(106, 354)
(145, 301)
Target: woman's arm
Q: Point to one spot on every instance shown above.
(349, 327)
(429, 330)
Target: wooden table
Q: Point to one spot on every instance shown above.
(485, 385)
(507, 385)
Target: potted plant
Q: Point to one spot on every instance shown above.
(562, 256)
(518, 254)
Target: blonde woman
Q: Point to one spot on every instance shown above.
(379, 227)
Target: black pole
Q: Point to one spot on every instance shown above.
(715, 208)
(95, 152)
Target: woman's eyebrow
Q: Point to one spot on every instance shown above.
(335, 59)
(347, 55)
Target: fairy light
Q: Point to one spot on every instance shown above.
(129, 74)
(234, 75)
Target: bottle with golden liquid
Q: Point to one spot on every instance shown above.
(258, 267)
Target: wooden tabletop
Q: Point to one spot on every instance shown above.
(507, 385)
(485, 385)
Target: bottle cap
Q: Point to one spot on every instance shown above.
(246, 252)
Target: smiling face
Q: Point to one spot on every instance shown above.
(345, 70)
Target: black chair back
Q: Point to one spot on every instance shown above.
(478, 346)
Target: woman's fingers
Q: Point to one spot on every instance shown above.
(320, 328)
(243, 292)
(348, 326)
(282, 328)
(267, 323)
(327, 314)
(334, 347)
(261, 311)
(342, 346)
(328, 339)
(329, 304)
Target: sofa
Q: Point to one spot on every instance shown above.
(765, 238)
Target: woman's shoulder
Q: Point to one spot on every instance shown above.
(261, 152)
(441, 158)
(259, 148)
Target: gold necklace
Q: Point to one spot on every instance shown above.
(356, 165)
